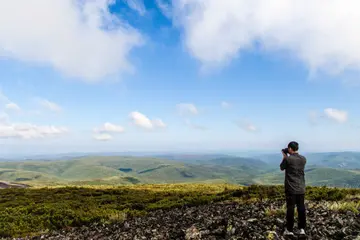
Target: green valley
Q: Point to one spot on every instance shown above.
(128, 170)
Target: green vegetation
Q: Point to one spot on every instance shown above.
(35, 210)
(352, 206)
(279, 212)
(318, 177)
(121, 170)
(118, 171)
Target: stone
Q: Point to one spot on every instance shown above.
(192, 233)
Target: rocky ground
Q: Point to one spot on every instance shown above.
(220, 221)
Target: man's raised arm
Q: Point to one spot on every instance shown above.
(283, 164)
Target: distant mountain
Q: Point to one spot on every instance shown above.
(70, 155)
(238, 162)
(331, 169)
(344, 160)
(341, 160)
(118, 170)
(191, 158)
(317, 176)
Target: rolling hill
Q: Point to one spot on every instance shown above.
(318, 177)
(322, 169)
(118, 170)
(239, 162)
(341, 160)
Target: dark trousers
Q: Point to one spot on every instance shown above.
(299, 201)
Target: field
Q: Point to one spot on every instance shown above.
(39, 210)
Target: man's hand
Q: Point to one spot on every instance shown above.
(284, 155)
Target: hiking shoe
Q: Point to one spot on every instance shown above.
(302, 232)
(288, 233)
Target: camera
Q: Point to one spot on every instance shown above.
(285, 150)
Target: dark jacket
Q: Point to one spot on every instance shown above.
(294, 166)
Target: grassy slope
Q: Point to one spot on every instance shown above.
(347, 160)
(26, 211)
(107, 170)
(14, 175)
(102, 170)
(318, 177)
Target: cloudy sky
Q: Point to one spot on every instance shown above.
(184, 75)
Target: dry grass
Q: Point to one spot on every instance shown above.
(177, 187)
(353, 206)
(353, 197)
(274, 211)
(117, 216)
(186, 187)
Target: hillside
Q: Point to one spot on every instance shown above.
(127, 170)
(238, 162)
(191, 158)
(318, 177)
(345, 160)
(118, 170)
(180, 211)
(341, 160)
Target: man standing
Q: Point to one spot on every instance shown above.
(294, 166)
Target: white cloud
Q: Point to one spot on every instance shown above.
(187, 109)
(164, 7)
(9, 129)
(320, 33)
(194, 126)
(29, 131)
(109, 128)
(225, 105)
(78, 38)
(336, 115)
(158, 123)
(103, 137)
(12, 106)
(247, 126)
(143, 121)
(9, 105)
(50, 105)
(251, 127)
(137, 5)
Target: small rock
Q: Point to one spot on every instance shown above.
(252, 220)
(192, 233)
(279, 221)
(340, 221)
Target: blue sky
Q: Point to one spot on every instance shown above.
(181, 75)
